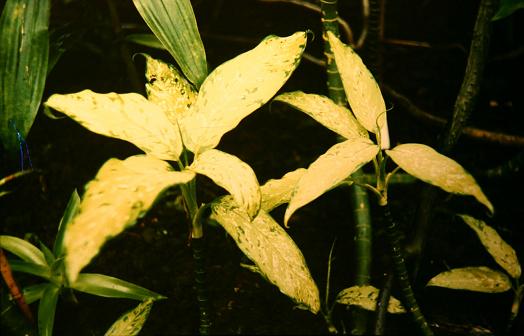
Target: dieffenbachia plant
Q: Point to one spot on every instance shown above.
(177, 123)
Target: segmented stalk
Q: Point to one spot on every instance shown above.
(197, 245)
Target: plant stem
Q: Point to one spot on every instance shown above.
(382, 304)
(198, 247)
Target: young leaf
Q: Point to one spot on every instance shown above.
(24, 250)
(426, 164)
(238, 87)
(46, 310)
(477, 279)
(129, 117)
(131, 323)
(277, 192)
(106, 286)
(272, 250)
(121, 192)
(30, 268)
(232, 174)
(167, 88)
(24, 52)
(335, 117)
(366, 297)
(501, 251)
(362, 90)
(69, 213)
(33, 293)
(174, 24)
(148, 40)
(329, 170)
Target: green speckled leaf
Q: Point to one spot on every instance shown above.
(366, 297)
(127, 116)
(121, 192)
(238, 87)
(335, 117)
(277, 192)
(329, 170)
(131, 323)
(501, 251)
(232, 174)
(477, 279)
(426, 164)
(268, 245)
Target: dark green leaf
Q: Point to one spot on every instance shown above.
(507, 7)
(148, 40)
(31, 268)
(34, 293)
(46, 310)
(69, 212)
(48, 254)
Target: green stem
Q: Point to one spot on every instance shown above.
(199, 259)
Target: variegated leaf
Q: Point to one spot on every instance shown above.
(426, 164)
(277, 192)
(335, 117)
(477, 279)
(366, 297)
(501, 251)
(121, 192)
(268, 245)
(362, 90)
(127, 116)
(238, 87)
(131, 323)
(232, 174)
(329, 170)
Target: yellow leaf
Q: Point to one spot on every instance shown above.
(127, 116)
(121, 192)
(131, 322)
(277, 192)
(426, 164)
(366, 297)
(477, 279)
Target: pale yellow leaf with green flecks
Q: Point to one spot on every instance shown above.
(121, 192)
(501, 251)
(426, 164)
(278, 191)
(129, 117)
(131, 323)
(362, 91)
(329, 170)
(238, 87)
(168, 88)
(335, 117)
(366, 297)
(232, 174)
(272, 250)
(477, 279)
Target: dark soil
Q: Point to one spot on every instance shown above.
(275, 140)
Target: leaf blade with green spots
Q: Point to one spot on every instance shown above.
(366, 297)
(477, 279)
(131, 323)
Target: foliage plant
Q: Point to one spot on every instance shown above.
(50, 265)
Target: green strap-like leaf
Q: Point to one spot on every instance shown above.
(507, 8)
(366, 297)
(130, 117)
(148, 40)
(501, 251)
(426, 164)
(121, 192)
(131, 323)
(23, 249)
(69, 213)
(106, 286)
(232, 174)
(238, 87)
(277, 192)
(30, 268)
(34, 293)
(477, 279)
(272, 250)
(362, 90)
(329, 170)
(46, 310)
(174, 24)
(333, 116)
(24, 51)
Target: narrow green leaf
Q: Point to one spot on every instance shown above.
(24, 53)
(24, 250)
(366, 297)
(131, 323)
(69, 213)
(277, 192)
(148, 40)
(30, 268)
(501, 251)
(507, 8)
(174, 24)
(232, 174)
(329, 169)
(48, 254)
(362, 90)
(477, 279)
(46, 310)
(121, 192)
(34, 293)
(426, 164)
(238, 87)
(129, 117)
(275, 254)
(106, 286)
(333, 116)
